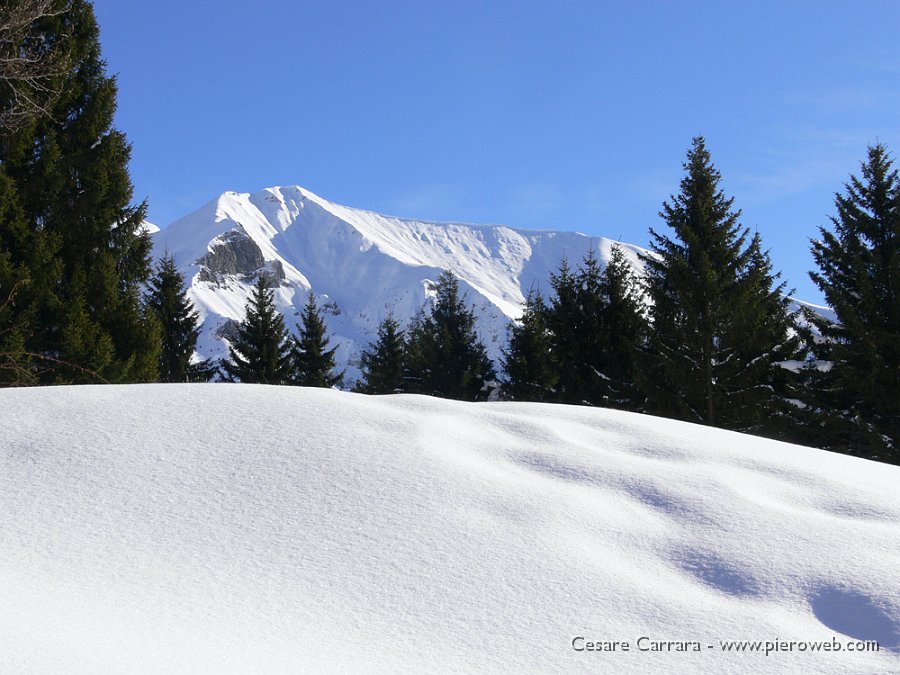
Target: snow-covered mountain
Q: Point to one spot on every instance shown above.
(361, 263)
(244, 529)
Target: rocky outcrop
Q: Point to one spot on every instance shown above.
(228, 330)
(235, 254)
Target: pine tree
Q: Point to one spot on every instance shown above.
(16, 367)
(445, 356)
(261, 353)
(383, 363)
(313, 360)
(761, 336)
(623, 329)
(564, 320)
(527, 361)
(590, 333)
(596, 330)
(859, 274)
(703, 285)
(179, 324)
(69, 169)
(418, 354)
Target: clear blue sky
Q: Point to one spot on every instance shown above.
(568, 115)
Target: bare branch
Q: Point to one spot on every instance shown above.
(30, 61)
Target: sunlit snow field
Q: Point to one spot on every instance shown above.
(251, 529)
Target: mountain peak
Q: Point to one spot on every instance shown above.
(366, 263)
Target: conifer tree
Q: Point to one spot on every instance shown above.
(313, 360)
(179, 325)
(563, 321)
(590, 332)
(383, 363)
(69, 169)
(261, 352)
(859, 274)
(623, 328)
(527, 361)
(446, 356)
(417, 354)
(762, 334)
(16, 367)
(596, 331)
(703, 284)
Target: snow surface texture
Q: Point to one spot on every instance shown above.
(363, 263)
(252, 529)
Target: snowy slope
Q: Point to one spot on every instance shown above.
(249, 529)
(150, 228)
(363, 263)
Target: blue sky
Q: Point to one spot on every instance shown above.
(564, 115)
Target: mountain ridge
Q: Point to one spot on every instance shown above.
(362, 263)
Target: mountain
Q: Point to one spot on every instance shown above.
(361, 263)
(223, 529)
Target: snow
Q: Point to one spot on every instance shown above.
(367, 263)
(250, 529)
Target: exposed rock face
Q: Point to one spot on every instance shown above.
(228, 330)
(274, 270)
(234, 253)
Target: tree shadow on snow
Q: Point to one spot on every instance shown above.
(856, 615)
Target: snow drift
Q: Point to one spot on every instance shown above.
(253, 529)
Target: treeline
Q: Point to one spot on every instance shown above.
(706, 335)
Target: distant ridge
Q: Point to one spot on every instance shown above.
(362, 264)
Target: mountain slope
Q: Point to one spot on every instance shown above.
(363, 264)
(323, 531)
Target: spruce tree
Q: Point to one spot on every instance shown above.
(313, 360)
(417, 354)
(527, 360)
(261, 352)
(703, 356)
(16, 367)
(69, 169)
(564, 321)
(383, 363)
(623, 328)
(760, 394)
(577, 331)
(859, 274)
(179, 324)
(446, 356)
(590, 333)
(596, 331)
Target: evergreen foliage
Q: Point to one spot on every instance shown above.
(760, 391)
(383, 363)
(83, 249)
(313, 361)
(261, 352)
(527, 360)
(563, 321)
(16, 367)
(622, 329)
(859, 274)
(718, 328)
(445, 356)
(596, 328)
(586, 360)
(179, 325)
